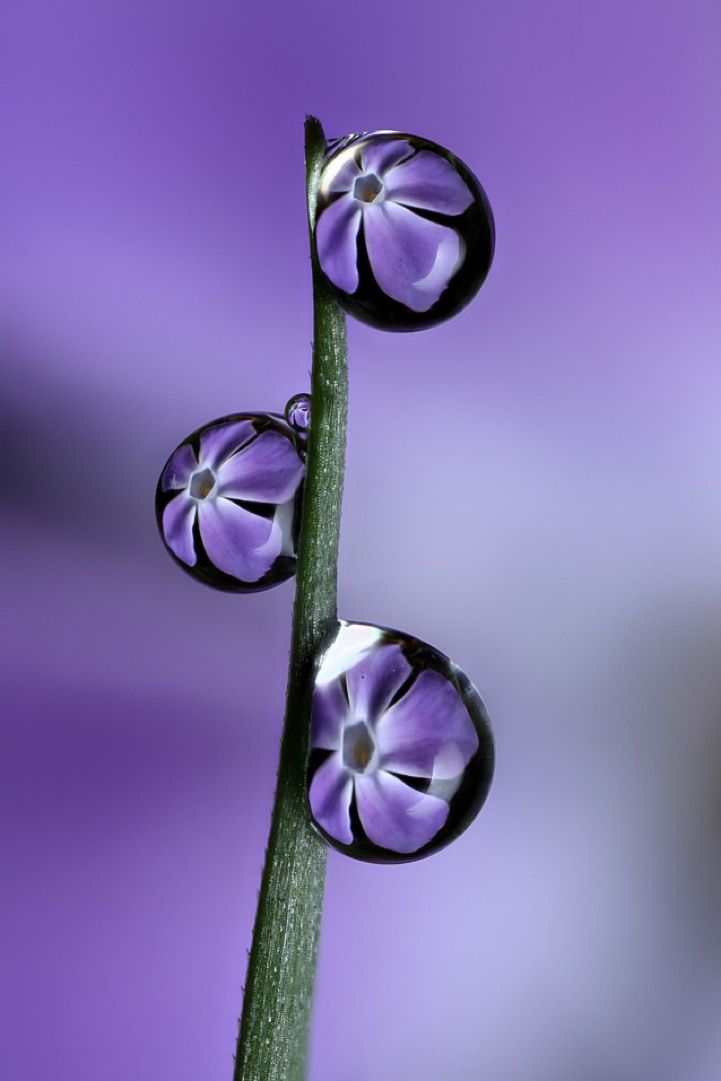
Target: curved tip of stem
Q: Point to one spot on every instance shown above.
(315, 148)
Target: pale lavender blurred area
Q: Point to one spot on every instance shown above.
(534, 488)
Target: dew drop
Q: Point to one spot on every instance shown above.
(228, 502)
(418, 242)
(297, 413)
(401, 747)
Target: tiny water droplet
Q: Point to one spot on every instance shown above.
(297, 413)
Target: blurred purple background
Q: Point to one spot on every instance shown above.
(534, 488)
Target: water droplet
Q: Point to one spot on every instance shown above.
(404, 231)
(228, 502)
(297, 413)
(401, 753)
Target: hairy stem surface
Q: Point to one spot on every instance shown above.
(273, 1040)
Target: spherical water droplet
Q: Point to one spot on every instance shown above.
(228, 502)
(404, 231)
(401, 754)
(297, 413)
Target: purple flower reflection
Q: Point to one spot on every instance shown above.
(386, 184)
(237, 482)
(392, 740)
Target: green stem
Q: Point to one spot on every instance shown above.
(278, 998)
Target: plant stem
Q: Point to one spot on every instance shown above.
(273, 1040)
